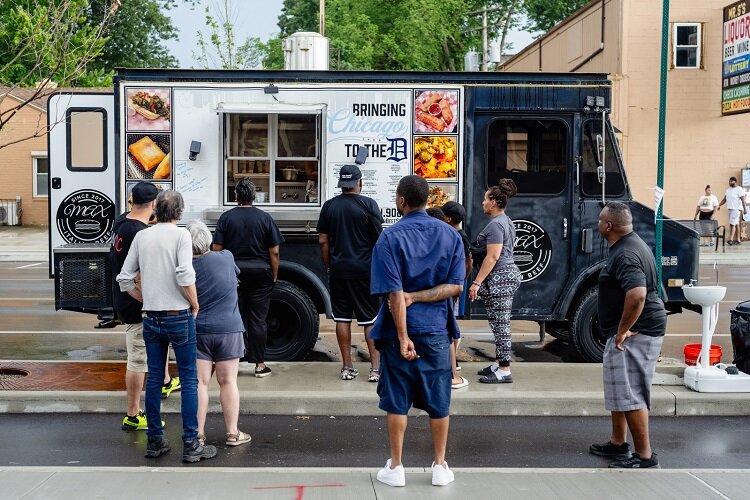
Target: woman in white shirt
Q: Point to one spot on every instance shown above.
(707, 205)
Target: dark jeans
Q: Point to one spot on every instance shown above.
(254, 298)
(160, 330)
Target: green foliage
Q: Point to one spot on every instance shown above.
(221, 48)
(544, 14)
(136, 34)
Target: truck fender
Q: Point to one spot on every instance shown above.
(309, 282)
(574, 288)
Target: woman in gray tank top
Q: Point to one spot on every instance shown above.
(498, 278)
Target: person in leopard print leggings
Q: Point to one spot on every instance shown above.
(498, 278)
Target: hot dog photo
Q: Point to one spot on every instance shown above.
(436, 111)
(149, 110)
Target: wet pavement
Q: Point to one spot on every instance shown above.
(80, 440)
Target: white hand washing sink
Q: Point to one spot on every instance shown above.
(705, 296)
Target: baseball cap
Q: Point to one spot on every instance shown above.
(455, 211)
(349, 176)
(144, 192)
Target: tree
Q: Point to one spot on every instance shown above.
(544, 14)
(221, 49)
(42, 43)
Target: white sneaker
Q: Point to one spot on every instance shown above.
(393, 477)
(441, 474)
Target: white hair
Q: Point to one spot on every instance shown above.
(201, 237)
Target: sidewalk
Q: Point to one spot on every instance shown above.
(306, 388)
(333, 483)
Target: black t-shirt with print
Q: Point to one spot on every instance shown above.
(127, 309)
(248, 233)
(346, 222)
(630, 265)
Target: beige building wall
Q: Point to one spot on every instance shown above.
(16, 161)
(702, 147)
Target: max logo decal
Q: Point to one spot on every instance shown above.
(532, 250)
(86, 216)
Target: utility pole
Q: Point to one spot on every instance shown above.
(322, 26)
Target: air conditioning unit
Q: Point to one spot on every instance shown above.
(8, 213)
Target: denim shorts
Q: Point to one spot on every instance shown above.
(220, 346)
(424, 383)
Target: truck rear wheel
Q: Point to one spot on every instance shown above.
(585, 333)
(293, 323)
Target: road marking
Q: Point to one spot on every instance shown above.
(30, 265)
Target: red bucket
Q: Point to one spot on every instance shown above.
(692, 351)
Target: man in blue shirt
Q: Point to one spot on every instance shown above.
(418, 264)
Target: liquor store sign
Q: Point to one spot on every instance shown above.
(735, 88)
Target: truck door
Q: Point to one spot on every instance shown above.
(82, 169)
(536, 153)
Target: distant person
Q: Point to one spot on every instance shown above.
(633, 319)
(498, 278)
(219, 331)
(418, 264)
(706, 209)
(455, 214)
(163, 256)
(735, 200)
(129, 310)
(436, 213)
(347, 231)
(253, 238)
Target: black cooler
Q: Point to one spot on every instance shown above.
(740, 329)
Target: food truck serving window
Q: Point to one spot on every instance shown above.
(531, 152)
(279, 152)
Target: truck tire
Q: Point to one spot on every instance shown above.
(558, 329)
(585, 333)
(293, 323)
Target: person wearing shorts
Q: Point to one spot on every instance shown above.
(218, 329)
(418, 265)
(347, 229)
(633, 317)
(735, 200)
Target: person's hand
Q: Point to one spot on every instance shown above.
(473, 292)
(407, 299)
(407, 350)
(620, 338)
(195, 312)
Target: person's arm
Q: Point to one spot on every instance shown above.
(325, 249)
(398, 311)
(218, 243)
(273, 255)
(435, 294)
(493, 255)
(723, 200)
(635, 299)
(217, 247)
(697, 210)
(129, 272)
(192, 295)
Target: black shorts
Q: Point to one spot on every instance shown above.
(350, 298)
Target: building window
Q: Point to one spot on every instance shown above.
(41, 176)
(531, 152)
(279, 152)
(687, 45)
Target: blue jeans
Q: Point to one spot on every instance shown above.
(160, 330)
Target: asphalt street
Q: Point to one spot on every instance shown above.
(287, 441)
(31, 329)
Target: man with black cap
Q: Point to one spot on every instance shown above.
(128, 309)
(348, 228)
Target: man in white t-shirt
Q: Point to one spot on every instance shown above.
(707, 205)
(735, 200)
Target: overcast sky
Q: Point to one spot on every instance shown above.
(253, 18)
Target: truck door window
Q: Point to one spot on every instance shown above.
(531, 152)
(279, 152)
(590, 185)
(86, 137)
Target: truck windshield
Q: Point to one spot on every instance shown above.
(534, 153)
(590, 185)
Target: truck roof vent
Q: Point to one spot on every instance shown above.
(306, 50)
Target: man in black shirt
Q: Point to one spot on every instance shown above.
(633, 317)
(253, 238)
(128, 310)
(347, 230)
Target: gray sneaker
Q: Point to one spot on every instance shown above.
(194, 451)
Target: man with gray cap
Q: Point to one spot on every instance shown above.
(347, 231)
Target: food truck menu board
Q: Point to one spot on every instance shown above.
(735, 88)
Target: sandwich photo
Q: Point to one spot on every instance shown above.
(149, 106)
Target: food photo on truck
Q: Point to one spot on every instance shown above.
(290, 132)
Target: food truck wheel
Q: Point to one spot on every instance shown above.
(558, 329)
(585, 333)
(293, 323)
